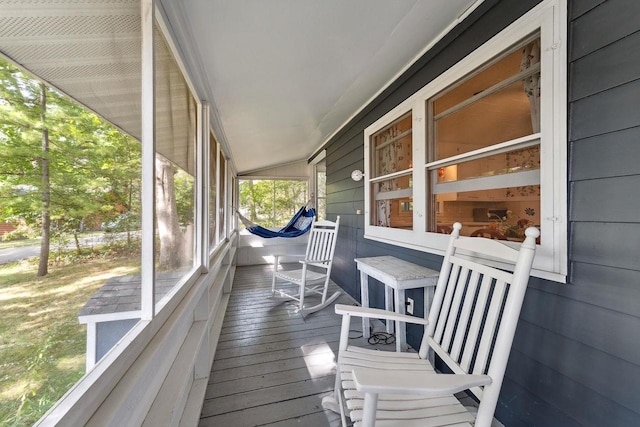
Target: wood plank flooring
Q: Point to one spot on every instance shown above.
(271, 367)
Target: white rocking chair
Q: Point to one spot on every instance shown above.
(471, 326)
(319, 254)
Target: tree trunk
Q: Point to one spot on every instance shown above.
(77, 242)
(253, 214)
(46, 188)
(171, 238)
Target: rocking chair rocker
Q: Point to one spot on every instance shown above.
(309, 281)
(470, 327)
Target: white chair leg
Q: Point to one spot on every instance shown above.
(333, 402)
(326, 289)
(302, 292)
(369, 410)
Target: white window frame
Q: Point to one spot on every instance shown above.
(222, 196)
(549, 19)
(213, 153)
(320, 159)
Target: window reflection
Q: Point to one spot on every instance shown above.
(392, 154)
(494, 113)
(175, 120)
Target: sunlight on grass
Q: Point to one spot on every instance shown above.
(71, 363)
(15, 391)
(15, 292)
(42, 344)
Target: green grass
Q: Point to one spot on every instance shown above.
(42, 345)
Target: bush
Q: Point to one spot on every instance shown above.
(126, 222)
(22, 232)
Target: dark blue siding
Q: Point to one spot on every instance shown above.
(576, 356)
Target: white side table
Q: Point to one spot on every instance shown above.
(397, 275)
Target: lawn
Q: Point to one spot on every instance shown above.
(42, 345)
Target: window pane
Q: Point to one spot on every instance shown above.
(479, 82)
(497, 164)
(392, 148)
(392, 203)
(176, 126)
(498, 104)
(321, 209)
(321, 193)
(88, 240)
(391, 199)
(506, 211)
(272, 203)
(396, 213)
(213, 181)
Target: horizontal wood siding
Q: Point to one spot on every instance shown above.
(576, 356)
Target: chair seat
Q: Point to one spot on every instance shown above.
(397, 410)
(295, 276)
(454, 415)
(354, 357)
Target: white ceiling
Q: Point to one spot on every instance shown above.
(281, 76)
(285, 75)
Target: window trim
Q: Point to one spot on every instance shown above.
(549, 19)
(318, 164)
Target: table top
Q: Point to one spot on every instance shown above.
(395, 268)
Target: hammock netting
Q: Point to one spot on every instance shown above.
(297, 226)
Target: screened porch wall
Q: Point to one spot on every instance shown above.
(576, 356)
(254, 250)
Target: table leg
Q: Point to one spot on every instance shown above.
(401, 327)
(364, 302)
(388, 305)
(428, 291)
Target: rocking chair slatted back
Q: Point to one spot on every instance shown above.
(321, 243)
(476, 307)
(471, 325)
(319, 253)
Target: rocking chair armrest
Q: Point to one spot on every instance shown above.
(377, 313)
(426, 384)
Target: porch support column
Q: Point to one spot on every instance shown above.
(147, 11)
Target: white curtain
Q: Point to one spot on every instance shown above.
(387, 163)
(530, 57)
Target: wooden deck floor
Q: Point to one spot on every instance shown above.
(271, 367)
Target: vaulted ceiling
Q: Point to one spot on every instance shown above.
(281, 76)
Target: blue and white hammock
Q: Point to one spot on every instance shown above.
(299, 224)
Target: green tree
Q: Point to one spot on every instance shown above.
(25, 157)
(272, 203)
(61, 166)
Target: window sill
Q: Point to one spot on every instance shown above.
(436, 244)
